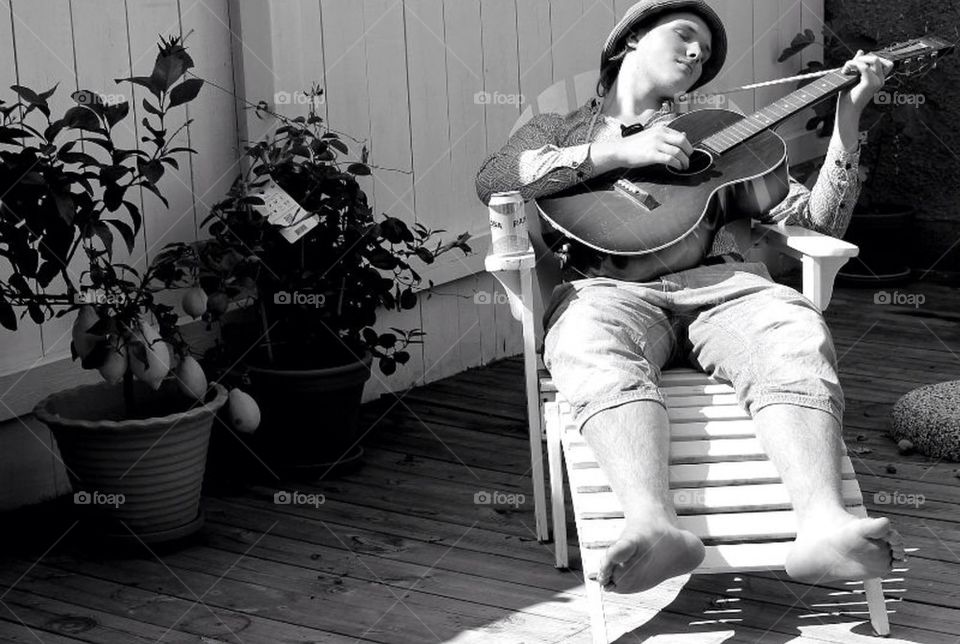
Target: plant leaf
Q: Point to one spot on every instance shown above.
(185, 91)
(7, 317)
(116, 113)
(125, 231)
(143, 81)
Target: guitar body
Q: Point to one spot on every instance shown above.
(647, 210)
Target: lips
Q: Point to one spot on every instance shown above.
(687, 67)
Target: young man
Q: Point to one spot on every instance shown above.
(614, 323)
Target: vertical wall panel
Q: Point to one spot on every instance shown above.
(348, 105)
(464, 70)
(432, 141)
(738, 69)
(390, 153)
(148, 21)
(214, 131)
(44, 40)
(534, 48)
(21, 349)
(297, 62)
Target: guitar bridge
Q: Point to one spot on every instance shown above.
(636, 193)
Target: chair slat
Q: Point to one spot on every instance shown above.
(685, 414)
(693, 390)
(697, 451)
(746, 557)
(736, 428)
(674, 400)
(711, 528)
(698, 475)
(694, 500)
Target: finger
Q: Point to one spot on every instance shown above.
(868, 74)
(850, 66)
(676, 157)
(678, 139)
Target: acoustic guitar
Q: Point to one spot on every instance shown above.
(738, 169)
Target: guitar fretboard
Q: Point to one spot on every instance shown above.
(779, 111)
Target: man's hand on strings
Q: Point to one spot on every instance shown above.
(656, 145)
(873, 71)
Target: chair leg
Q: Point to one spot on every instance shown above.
(598, 622)
(551, 416)
(873, 589)
(534, 415)
(877, 606)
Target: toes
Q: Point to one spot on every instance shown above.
(878, 528)
(617, 554)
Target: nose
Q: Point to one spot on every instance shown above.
(695, 53)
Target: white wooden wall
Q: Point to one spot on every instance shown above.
(400, 75)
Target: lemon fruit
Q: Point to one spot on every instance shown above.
(190, 378)
(194, 302)
(158, 355)
(244, 413)
(115, 366)
(84, 342)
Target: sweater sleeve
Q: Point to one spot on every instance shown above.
(533, 161)
(829, 206)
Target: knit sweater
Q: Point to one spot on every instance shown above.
(551, 152)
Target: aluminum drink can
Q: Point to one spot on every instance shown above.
(508, 223)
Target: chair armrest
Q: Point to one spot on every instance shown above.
(514, 272)
(821, 256)
(495, 263)
(798, 241)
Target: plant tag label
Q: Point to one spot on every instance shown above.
(278, 207)
(295, 232)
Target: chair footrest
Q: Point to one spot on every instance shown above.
(725, 489)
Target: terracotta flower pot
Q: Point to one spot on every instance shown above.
(144, 473)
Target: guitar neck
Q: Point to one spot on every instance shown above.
(779, 111)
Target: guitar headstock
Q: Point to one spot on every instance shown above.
(916, 55)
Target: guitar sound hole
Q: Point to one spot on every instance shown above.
(700, 160)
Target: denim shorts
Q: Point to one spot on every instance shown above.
(607, 340)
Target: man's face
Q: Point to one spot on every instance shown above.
(672, 52)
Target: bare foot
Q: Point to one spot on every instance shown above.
(844, 547)
(644, 556)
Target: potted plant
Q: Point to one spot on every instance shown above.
(297, 245)
(891, 124)
(134, 446)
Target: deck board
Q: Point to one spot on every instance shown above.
(400, 552)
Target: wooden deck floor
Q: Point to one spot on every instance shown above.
(400, 552)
